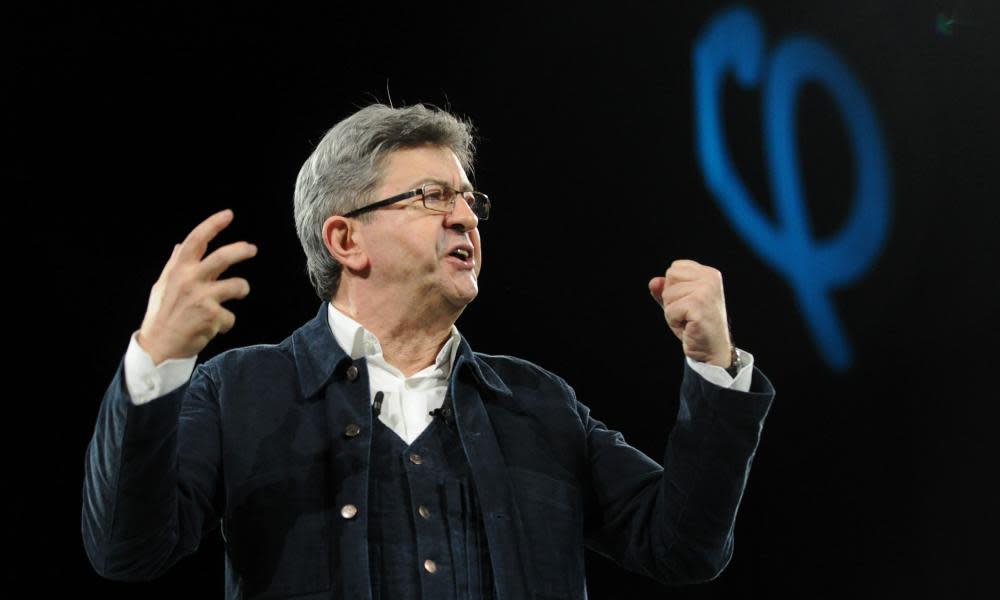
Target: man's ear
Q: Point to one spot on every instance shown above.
(343, 240)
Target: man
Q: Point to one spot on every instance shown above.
(373, 454)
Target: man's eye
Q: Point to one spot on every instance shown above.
(434, 196)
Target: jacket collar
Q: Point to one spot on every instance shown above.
(318, 356)
(484, 374)
(358, 342)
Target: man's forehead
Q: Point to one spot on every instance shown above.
(422, 165)
(465, 186)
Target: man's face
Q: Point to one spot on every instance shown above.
(411, 248)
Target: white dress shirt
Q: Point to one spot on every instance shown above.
(407, 401)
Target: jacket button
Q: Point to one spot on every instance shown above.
(352, 430)
(348, 511)
(424, 512)
(429, 566)
(415, 459)
(352, 373)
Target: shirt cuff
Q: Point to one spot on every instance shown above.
(146, 381)
(720, 377)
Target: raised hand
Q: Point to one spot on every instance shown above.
(185, 305)
(695, 309)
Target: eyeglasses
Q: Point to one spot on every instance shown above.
(439, 198)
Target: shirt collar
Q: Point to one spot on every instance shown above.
(358, 342)
(319, 358)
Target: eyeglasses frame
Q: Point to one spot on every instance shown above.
(419, 192)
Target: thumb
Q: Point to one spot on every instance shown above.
(656, 289)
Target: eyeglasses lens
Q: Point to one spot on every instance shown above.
(436, 198)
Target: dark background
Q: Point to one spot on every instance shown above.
(128, 126)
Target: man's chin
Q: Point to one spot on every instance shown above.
(466, 300)
(463, 298)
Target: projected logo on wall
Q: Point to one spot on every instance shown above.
(733, 43)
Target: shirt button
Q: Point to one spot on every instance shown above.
(352, 430)
(415, 459)
(352, 373)
(348, 511)
(424, 512)
(429, 566)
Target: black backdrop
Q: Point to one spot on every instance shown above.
(129, 126)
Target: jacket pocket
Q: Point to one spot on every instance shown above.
(278, 532)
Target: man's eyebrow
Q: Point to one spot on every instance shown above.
(442, 183)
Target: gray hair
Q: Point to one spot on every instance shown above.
(346, 167)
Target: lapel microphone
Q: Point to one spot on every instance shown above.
(445, 412)
(378, 402)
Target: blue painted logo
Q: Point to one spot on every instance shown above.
(733, 42)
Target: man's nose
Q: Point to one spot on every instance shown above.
(462, 217)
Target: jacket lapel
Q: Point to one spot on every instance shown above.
(501, 517)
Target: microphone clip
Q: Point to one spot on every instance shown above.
(445, 411)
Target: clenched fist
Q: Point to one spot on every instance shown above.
(695, 309)
(185, 306)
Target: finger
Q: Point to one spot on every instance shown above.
(656, 285)
(224, 257)
(173, 257)
(226, 321)
(683, 263)
(229, 289)
(681, 289)
(678, 314)
(686, 270)
(196, 242)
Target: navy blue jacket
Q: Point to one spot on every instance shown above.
(272, 442)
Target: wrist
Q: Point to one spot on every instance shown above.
(722, 360)
(148, 349)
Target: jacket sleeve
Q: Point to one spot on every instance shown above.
(152, 478)
(675, 523)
